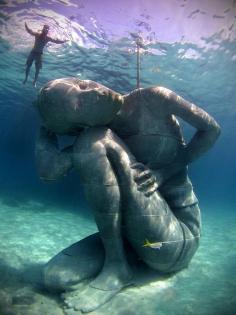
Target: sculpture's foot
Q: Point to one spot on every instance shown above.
(89, 299)
(93, 295)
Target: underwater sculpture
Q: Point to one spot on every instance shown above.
(132, 160)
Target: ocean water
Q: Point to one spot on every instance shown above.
(188, 46)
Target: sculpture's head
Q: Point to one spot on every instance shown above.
(68, 105)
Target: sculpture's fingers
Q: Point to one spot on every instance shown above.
(143, 176)
(147, 184)
(138, 166)
(146, 181)
(151, 190)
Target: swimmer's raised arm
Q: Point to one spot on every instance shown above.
(57, 41)
(31, 32)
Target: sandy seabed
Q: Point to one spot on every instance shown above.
(32, 233)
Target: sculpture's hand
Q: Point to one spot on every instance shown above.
(144, 179)
(166, 172)
(52, 163)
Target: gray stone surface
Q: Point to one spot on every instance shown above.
(131, 157)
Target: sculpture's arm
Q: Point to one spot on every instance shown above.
(51, 162)
(208, 129)
(205, 136)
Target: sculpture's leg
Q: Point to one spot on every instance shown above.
(104, 164)
(74, 264)
(78, 262)
(173, 236)
(103, 193)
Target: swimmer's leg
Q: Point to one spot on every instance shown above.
(38, 66)
(29, 62)
(37, 69)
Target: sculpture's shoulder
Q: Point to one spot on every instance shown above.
(160, 91)
(154, 99)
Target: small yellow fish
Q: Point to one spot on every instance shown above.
(156, 245)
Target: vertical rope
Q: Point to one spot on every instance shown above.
(138, 65)
(139, 44)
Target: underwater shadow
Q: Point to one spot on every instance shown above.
(22, 289)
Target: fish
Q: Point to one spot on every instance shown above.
(155, 245)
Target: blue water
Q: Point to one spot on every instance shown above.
(190, 47)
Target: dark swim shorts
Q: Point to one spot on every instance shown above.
(37, 56)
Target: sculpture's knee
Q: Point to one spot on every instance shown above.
(79, 261)
(90, 156)
(64, 271)
(92, 141)
(53, 278)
